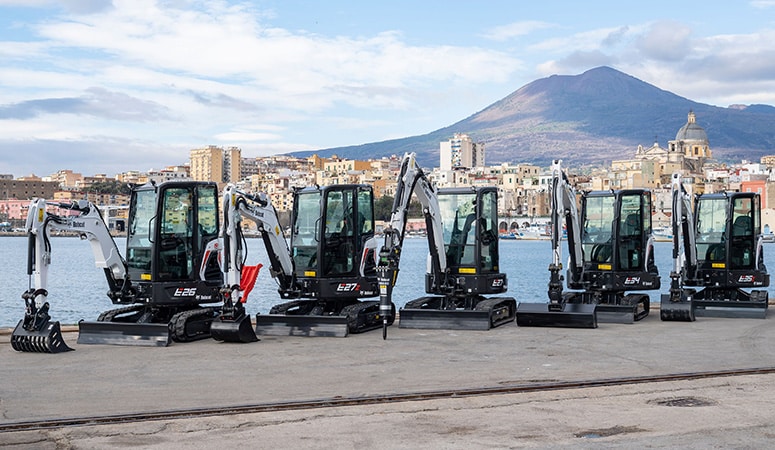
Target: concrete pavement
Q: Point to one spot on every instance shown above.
(97, 380)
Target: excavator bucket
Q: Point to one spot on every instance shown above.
(427, 313)
(233, 325)
(233, 330)
(46, 340)
(676, 310)
(568, 315)
(124, 333)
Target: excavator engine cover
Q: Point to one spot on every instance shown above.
(46, 340)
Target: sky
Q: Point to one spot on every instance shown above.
(104, 87)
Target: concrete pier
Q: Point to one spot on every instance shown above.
(107, 380)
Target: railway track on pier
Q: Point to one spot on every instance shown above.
(339, 401)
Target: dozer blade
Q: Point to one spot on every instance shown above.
(624, 313)
(732, 302)
(487, 314)
(675, 311)
(47, 340)
(444, 319)
(733, 309)
(238, 330)
(571, 315)
(301, 325)
(124, 333)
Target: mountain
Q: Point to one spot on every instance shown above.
(591, 118)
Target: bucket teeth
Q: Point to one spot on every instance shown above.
(47, 340)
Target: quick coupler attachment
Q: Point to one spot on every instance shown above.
(45, 339)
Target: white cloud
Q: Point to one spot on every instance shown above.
(516, 29)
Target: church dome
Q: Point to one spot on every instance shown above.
(691, 131)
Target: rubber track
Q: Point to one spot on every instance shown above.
(371, 400)
(178, 323)
(108, 316)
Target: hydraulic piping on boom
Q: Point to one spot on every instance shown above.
(36, 332)
(718, 249)
(234, 324)
(610, 254)
(462, 261)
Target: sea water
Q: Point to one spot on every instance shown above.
(77, 288)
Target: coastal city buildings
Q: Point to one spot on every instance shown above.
(522, 187)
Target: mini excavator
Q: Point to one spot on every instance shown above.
(463, 256)
(332, 265)
(178, 267)
(717, 248)
(611, 252)
(171, 225)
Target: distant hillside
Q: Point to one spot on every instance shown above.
(585, 119)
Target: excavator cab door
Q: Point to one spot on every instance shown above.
(729, 256)
(728, 229)
(470, 227)
(616, 232)
(330, 227)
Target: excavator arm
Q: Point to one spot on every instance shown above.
(677, 305)
(234, 324)
(36, 332)
(559, 312)
(563, 209)
(411, 180)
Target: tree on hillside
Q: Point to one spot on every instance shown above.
(383, 208)
(110, 187)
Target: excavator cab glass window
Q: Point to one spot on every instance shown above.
(711, 220)
(304, 233)
(365, 227)
(338, 244)
(596, 237)
(458, 216)
(745, 226)
(142, 220)
(631, 227)
(207, 229)
(176, 234)
(488, 231)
